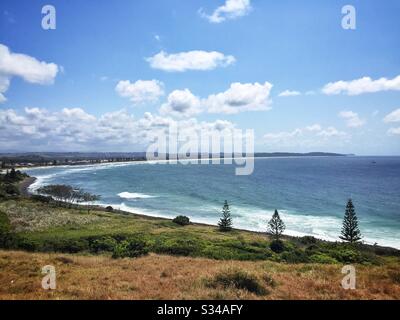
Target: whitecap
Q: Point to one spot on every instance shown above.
(134, 195)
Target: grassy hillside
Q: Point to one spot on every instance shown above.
(194, 261)
(168, 277)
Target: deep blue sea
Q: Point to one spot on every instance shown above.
(310, 193)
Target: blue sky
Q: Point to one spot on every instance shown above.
(298, 46)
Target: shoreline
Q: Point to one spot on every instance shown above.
(179, 160)
(27, 182)
(23, 186)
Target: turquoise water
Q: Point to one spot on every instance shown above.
(310, 193)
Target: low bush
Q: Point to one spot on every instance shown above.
(7, 236)
(180, 247)
(131, 248)
(277, 246)
(237, 279)
(40, 198)
(109, 209)
(102, 244)
(181, 220)
(346, 255)
(307, 240)
(8, 190)
(322, 258)
(295, 256)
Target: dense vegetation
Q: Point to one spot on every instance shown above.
(73, 230)
(8, 188)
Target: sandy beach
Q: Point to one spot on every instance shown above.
(24, 185)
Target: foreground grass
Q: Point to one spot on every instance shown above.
(192, 262)
(168, 277)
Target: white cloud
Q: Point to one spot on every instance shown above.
(181, 103)
(74, 113)
(73, 129)
(363, 85)
(289, 93)
(240, 97)
(140, 91)
(352, 119)
(313, 135)
(394, 131)
(331, 132)
(314, 127)
(232, 9)
(25, 67)
(394, 116)
(190, 60)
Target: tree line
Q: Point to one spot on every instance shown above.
(65, 194)
(350, 231)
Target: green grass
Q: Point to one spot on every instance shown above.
(44, 227)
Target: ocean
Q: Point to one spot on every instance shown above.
(310, 193)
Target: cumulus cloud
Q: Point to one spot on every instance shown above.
(140, 91)
(190, 60)
(240, 97)
(362, 85)
(312, 135)
(25, 67)
(394, 131)
(394, 116)
(73, 129)
(352, 119)
(289, 93)
(331, 132)
(181, 103)
(232, 9)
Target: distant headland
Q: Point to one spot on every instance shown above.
(34, 159)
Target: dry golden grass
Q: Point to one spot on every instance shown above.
(166, 277)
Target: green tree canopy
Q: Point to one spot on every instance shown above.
(350, 231)
(225, 223)
(276, 226)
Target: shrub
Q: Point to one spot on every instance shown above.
(40, 198)
(66, 245)
(277, 246)
(109, 209)
(347, 256)
(180, 247)
(307, 240)
(313, 249)
(131, 248)
(8, 189)
(102, 244)
(181, 220)
(295, 256)
(7, 237)
(322, 258)
(238, 279)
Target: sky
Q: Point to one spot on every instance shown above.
(112, 75)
